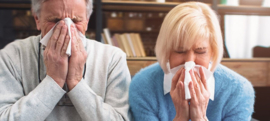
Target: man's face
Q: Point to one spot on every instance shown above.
(53, 11)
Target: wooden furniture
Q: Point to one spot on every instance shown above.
(256, 70)
(261, 52)
(251, 8)
(248, 8)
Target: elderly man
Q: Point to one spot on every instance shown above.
(39, 82)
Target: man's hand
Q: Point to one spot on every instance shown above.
(55, 57)
(76, 60)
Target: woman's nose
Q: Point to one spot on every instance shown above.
(190, 56)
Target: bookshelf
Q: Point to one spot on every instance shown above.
(15, 4)
(222, 10)
(153, 14)
(148, 6)
(244, 10)
(138, 6)
(167, 6)
(144, 7)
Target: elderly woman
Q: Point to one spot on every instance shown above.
(89, 81)
(188, 73)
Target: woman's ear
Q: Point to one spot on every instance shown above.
(210, 63)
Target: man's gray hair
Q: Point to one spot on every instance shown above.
(36, 6)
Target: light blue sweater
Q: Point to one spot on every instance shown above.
(233, 101)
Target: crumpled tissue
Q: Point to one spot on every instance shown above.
(68, 23)
(188, 66)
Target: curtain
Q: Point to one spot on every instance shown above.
(243, 32)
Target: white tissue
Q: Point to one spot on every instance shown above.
(188, 66)
(68, 23)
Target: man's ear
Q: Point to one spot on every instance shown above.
(37, 21)
(87, 24)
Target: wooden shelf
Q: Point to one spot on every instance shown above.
(151, 7)
(15, 4)
(141, 3)
(130, 31)
(256, 70)
(141, 59)
(108, 5)
(243, 10)
(25, 29)
(246, 60)
(138, 6)
(223, 60)
(24, 6)
(167, 6)
(16, 1)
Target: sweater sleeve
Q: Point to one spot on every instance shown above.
(142, 101)
(241, 103)
(114, 107)
(15, 105)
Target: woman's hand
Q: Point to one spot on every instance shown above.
(178, 96)
(199, 96)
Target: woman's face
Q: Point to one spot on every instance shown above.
(200, 53)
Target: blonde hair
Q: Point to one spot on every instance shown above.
(183, 25)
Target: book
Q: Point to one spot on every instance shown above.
(125, 44)
(140, 44)
(108, 36)
(114, 41)
(135, 45)
(120, 44)
(130, 45)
